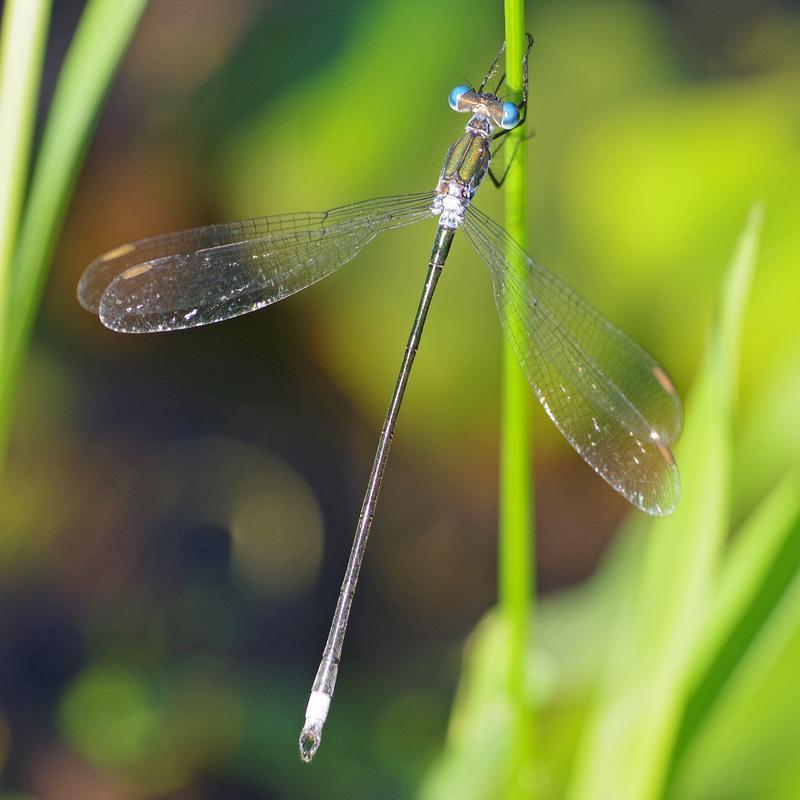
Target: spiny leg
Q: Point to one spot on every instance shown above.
(524, 100)
(496, 91)
(492, 68)
(524, 74)
(523, 107)
(498, 182)
(523, 103)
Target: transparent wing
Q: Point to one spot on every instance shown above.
(205, 275)
(611, 399)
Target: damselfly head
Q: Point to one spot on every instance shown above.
(486, 105)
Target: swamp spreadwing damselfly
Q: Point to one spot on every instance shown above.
(613, 402)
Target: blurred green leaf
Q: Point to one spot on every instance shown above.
(749, 745)
(642, 694)
(752, 636)
(767, 444)
(103, 34)
(24, 33)
(472, 765)
(756, 569)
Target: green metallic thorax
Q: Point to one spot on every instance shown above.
(467, 160)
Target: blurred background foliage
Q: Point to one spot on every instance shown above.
(176, 510)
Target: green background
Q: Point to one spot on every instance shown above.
(176, 510)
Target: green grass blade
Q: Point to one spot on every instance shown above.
(737, 752)
(759, 573)
(103, 34)
(516, 549)
(628, 744)
(758, 557)
(473, 765)
(21, 57)
(755, 568)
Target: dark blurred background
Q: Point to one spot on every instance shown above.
(177, 510)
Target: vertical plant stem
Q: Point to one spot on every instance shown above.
(102, 36)
(21, 57)
(516, 581)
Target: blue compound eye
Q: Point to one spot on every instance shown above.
(510, 117)
(455, 96)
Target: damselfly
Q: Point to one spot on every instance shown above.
(613, 402)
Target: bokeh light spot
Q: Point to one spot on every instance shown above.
(276, 525)
(107, 715)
